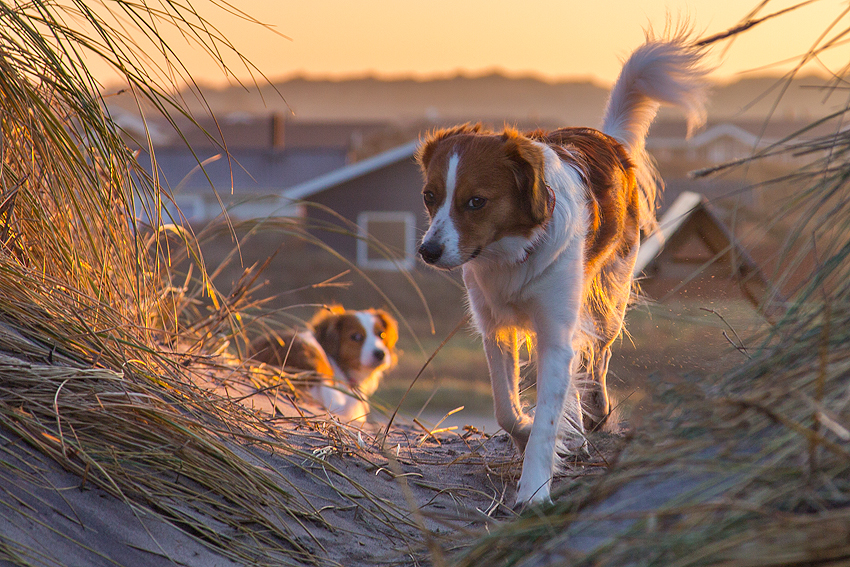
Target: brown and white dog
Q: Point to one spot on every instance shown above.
(546, 226)
(348, 350)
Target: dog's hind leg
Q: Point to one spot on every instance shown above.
(610, 297)
(594, 398)
(594, 394)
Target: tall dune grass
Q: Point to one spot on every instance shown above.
(97, 338)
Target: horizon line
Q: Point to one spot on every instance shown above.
(437, 76)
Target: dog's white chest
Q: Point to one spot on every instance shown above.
(500, 298)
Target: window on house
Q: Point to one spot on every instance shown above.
(191, 205)
(387, 240)
(192, 209)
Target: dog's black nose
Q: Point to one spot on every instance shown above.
(379, 355)
(431, 251)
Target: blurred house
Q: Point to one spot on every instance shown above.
(370, 211)
(723, 142)
(240, 162)
(694, 246)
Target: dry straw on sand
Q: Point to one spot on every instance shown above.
(101, 377)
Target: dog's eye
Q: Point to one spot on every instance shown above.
(357, 337)
(429, 197)
(475, 203)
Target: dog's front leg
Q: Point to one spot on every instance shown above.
(504, 377)
(555, 359)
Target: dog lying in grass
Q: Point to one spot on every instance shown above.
(348, 352)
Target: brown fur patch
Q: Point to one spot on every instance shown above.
(342, 338)
(290, 353)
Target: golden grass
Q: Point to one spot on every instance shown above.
(101, 341)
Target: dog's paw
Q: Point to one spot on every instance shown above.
(534, 496)
(575, 443)
(595, 407)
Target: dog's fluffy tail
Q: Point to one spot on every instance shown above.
(669, 71)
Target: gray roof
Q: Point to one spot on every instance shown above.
(680, 211)
(323, 182)
(694, 207)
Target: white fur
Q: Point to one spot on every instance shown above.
(340, 399)
(658, 72)
(442, 227)
(372, 369)
(513, 292)
(330, 393)
(371, 341)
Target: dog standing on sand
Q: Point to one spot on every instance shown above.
(546, 227)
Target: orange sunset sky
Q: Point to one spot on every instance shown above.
(552, 39)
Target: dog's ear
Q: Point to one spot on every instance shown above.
(305, 354)
(335, 309)
(527, 163)
(390, 327)
(426, 151)
(326, 329)
(433, 139)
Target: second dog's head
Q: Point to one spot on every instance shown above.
(362, 343)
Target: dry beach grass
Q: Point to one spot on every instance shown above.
(133, 433)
